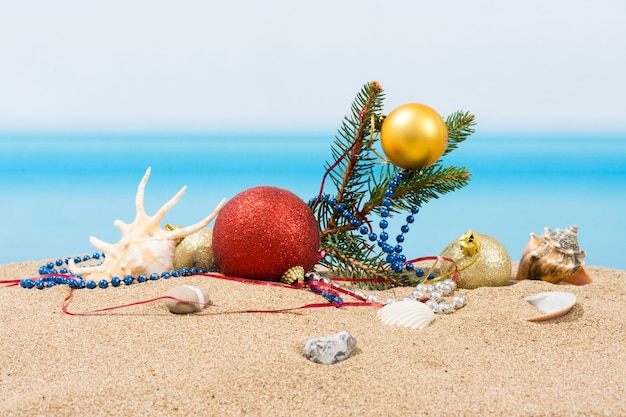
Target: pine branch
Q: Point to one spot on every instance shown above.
(460, 126)
(362, 181)
(421, 186)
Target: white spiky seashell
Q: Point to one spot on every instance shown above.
(554, 304)
(407, 313)
(144, 247)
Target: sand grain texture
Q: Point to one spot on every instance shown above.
(485, 359)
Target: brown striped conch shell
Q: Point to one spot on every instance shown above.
(554, 257)
(553, 304)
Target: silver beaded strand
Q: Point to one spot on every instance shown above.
(433, 295)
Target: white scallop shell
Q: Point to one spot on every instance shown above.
(407, 313)
(554, 304)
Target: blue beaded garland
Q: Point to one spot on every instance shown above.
(394, 258)
(75, 281)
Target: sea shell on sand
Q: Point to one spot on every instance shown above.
(553, 304)
(292, 275)
(407, 313)
(554, 257)
(144, 247)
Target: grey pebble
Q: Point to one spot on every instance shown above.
(330, 349)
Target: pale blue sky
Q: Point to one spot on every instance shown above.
(288, 65)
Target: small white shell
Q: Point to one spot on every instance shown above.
(554, 304)
(186, 299)
(407, 313)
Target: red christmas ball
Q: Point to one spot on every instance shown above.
(262, 232)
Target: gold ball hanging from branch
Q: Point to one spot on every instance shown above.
(413, 136)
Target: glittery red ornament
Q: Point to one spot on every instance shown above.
(262, 232)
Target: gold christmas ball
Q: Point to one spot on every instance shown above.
(481, 259)
(196, 251)
(413, 136)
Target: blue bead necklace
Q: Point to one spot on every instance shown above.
(56, 273)
(395, 258)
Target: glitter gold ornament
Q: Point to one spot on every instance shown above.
(413, 136)
(196, 251)
(481, 259)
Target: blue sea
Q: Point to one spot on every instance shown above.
(59, 189)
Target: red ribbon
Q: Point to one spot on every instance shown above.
(312, 284)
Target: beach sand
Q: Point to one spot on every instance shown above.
(484, 359)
